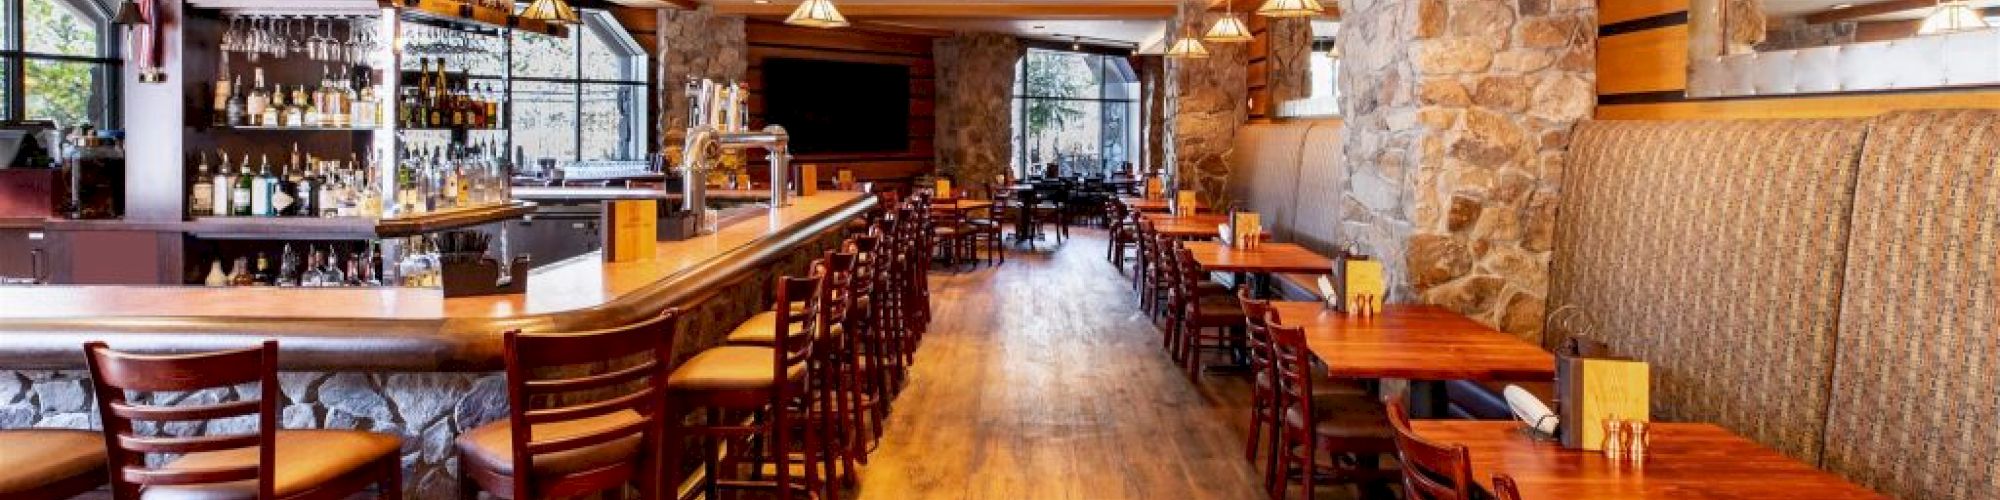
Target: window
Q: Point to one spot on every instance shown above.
(1076, 111)
(582, 97)
(58, 62)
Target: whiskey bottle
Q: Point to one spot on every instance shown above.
(234, 112)
(222, 94)
(201, 199)
(295, 111)
(258, 107)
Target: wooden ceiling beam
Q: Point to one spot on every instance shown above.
(968, 9)
(1868, 10)
(656, 4)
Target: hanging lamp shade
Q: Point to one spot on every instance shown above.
(128, 14)
(1229, 29)
(1951, 17)
(552, 12)
(817, 14)
(1188, 48)
(1291, 8)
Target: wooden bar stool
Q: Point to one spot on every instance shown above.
(773, 384)
(583, 409)
(834, 369)
(1350, 433)
(872, 349)
(50, 464)
(1431, 471)
(265, 464)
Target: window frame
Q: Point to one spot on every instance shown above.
(1103, 67)
(14, 58)
(605, 27)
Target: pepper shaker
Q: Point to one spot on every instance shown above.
(1613, 447)
(1641, 437)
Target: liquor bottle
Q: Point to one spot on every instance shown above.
(223, 184)
(263, 275)
(295, 195)
(215, 275)
(367, 111)
(201, 199)
(289, 273)
(295, 110)
(241, 198)
(312, 117)
(327, 197)
(259, 106)
(239, 275)
(222, 93)
(234, 112)
(261, 190)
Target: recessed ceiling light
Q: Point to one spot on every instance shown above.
(1843, 6)
(1039, 27)
(760, 1)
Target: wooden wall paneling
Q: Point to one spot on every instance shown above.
(1643, 61)
(1834, 106)
(1618, 11)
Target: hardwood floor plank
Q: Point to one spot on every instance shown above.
(1041, 379)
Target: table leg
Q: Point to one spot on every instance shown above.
(1428, 400)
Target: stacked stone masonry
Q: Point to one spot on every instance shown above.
(975, 89)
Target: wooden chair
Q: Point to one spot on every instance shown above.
(952, 231)
(774, 383)
(1350, 432)
(1210, 318)
(583, 415)
(50, 464)
(1504, 488)
(267, 463)
(1264, 407)
(986, 226)
(1431, 471)
(1123, 232)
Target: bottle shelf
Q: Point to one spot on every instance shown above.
(295, 129)
(353, 228)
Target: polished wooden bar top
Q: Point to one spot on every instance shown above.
(1267, 258)
(579, 293)
(1416, 342)
(965, 205)
(1684, 461)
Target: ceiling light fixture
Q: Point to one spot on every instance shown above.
(128, 14)
(552, 12)
(1291, 8)
(817, 14)
(1229, 29)
(1952, 16)
(1188, 47)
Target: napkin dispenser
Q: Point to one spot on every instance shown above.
(1592, 387)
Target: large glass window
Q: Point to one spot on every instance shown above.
(1075, 112)
(582, 97)
(58, 62)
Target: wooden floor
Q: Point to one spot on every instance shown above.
(1041, 379)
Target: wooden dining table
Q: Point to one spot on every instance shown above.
(1268, 258)
(1424, 344)
(965, 205)
(1139, 204)
(1186, 226)
(1683, 460)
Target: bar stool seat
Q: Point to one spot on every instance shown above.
(40, 461)
(491, 445)
(1348, 418)
(306, 460)
(762, 330)
(731, 368)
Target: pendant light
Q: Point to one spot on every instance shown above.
(1229, 29)
(1291, 8)
(817, 14)
(1188, 48)
(552, 12)
(1951, 16)
(128, 14)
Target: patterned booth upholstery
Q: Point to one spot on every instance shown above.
(1280, 170)
(1915, 412)
(1713, 250)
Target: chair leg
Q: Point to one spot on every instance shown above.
(1257, 408)
(390, 487)
(467, 488)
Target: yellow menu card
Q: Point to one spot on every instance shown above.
(1364, 277)
(1154, 189)
(1248, 227)
(943, 189)
(1185, 202)
(1606, 388)
(635, 229)
(845, 178)
(808, 179)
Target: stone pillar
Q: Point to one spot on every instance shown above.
(975, 92)
(1458, 113)
(1210, 100)
(694, 44)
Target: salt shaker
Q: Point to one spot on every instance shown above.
(1641, 437)
(1613, 446)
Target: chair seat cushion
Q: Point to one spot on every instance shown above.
(32, 458)
(1322, 386)
(762, 330)
(1345, 417)
(306, 459)
(731, 368)
(492, 445)
(1219, 308)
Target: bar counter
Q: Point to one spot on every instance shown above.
(392, 329)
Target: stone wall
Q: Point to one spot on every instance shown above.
(975, 92)
(1288, 62)
(1211, 99)
(1458, 115)
(695, 44)
(1154, 102)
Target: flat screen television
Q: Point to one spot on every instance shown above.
(837, 106)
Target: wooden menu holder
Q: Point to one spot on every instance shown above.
(1591, 387)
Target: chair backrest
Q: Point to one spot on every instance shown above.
(1504, 488)
(837, 303)
(1257, 328)
(798, 310)
(1431, 471)
(1292, 364)
(114, 375)
(572, 376)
